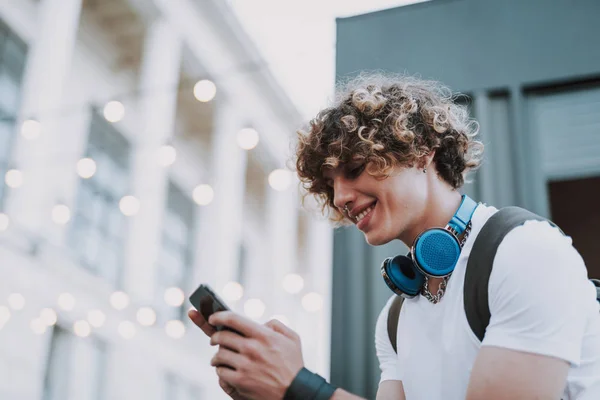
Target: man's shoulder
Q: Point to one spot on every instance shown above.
(530, 236)
(534, 249)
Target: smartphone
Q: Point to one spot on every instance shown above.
(207, 302)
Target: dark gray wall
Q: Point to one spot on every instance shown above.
(476, 44)
(500, 53)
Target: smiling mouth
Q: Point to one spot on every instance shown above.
(363, 214)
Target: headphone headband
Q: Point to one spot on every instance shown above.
(463, 215)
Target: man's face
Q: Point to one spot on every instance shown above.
(382, 208)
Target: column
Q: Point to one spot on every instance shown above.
(320, 259)
(159, 78)
(282, 244)
(48, 65)
(485, 184)
(220, 221)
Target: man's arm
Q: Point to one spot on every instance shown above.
(391, 390)
(388, 390)
(500, 374)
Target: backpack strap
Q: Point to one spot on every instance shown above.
(481, 261)
(392, 320)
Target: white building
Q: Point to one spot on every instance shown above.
(109, 164)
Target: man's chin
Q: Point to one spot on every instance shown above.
(377, 240)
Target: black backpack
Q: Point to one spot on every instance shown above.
(479, 268)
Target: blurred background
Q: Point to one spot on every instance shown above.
(144, 148)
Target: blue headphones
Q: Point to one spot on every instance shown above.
(434, 253)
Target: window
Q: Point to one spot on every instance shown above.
(75, 367)
(12, 64)
(176, 254)
(177, 388)
(98, 230)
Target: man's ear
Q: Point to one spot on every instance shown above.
(427, 160)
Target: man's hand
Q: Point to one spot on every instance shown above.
(259, 365)
(263, 363)
(209, 330)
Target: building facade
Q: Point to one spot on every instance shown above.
(143, 150)
(530, 73)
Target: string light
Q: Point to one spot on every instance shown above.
(31, 129)
(86, 168)
(129, 206)
(293, 283)
(146, 316)
(247, 138)
(254, 308)
(280, 179)
(312, 302)
(38, 326)
(126, 329)
(114, 111)
(13, 178)
(174, 296)
(49, 316)
(233, 291)
(66, 301)
(16, 301)
(82, 328)
(119, 300)
(203, 195)
(61, 214)
(96, 318)
(175, 329)
(205, 90)
(167, 155)
(4, 222)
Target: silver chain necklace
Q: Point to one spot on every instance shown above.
(442, 289)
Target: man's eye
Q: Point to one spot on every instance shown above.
(355, 172)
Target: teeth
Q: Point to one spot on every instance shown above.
(363, 214)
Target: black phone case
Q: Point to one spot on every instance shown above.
(207, 302)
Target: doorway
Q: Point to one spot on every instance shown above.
(575, 207)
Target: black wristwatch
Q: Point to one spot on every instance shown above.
(309, 386)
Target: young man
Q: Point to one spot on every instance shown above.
(390, 157)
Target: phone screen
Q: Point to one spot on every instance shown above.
(207, 302)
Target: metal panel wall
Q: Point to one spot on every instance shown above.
(497, 51)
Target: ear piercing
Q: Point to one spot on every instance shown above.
(424, 170)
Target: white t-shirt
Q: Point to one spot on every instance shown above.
(540, 299)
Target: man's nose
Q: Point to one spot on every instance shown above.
(342, 194)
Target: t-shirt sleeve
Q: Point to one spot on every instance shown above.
(388, 359)
(539, 294)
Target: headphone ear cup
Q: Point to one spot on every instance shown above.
(436, 252)
(402, 276)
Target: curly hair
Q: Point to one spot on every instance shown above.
(387, 121)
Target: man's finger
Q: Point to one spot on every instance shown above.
(227, 388)
(230, 390)
(280, 327)
(199, 320)
(241, 324)
(227, 375)
(228, 358)
(227, 339)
